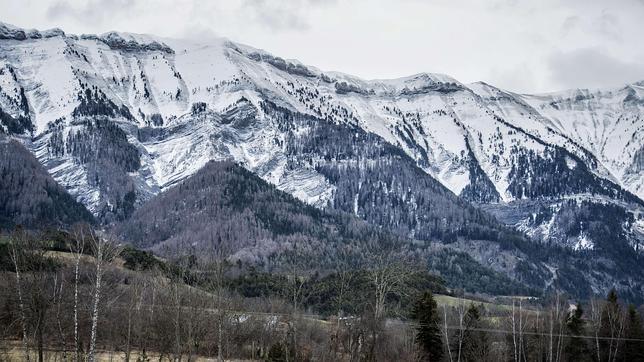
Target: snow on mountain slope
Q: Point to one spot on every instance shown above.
(118, 118)
(14, 106)
(475, 139)
(609, 123)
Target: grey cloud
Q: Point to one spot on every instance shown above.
(592, 67)
(608, 24)
(198, 31)
(325, 2)
(89, 12)
(281, 15)
(569, 24)
(503, 4)
(520, 78)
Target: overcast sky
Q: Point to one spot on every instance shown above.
(520, 45)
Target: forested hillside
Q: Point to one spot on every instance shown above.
(29, 196)
(225, 208)
(412, 161)
(381, 184)
(228, 211)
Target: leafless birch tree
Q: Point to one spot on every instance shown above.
(104, 250)
(17, 246)
(80, 234)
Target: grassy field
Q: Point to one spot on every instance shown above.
(446, 300)
(12, 351)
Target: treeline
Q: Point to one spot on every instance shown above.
(76, 295)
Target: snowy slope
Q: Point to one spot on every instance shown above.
(608, 123)
(475, 139)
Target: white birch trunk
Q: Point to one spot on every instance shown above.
(97, 297)
(21, 304)
(446, 331)
(76, 278)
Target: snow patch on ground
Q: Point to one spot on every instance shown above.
(572, 164)
(583, 242)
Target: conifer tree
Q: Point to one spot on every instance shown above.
(577, 348)
(428, 334)
(475, 342)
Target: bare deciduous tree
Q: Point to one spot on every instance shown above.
(17, 246)
(134, 305)
(213, 269)
(80, 233)
(104, 250)
(596, 307)
(518, 326)
(556, 318)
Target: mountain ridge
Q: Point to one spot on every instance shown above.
(119, 118)
(394, 125)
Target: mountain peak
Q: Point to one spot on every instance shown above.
(639, 84)
(130, 42)
(12, 32)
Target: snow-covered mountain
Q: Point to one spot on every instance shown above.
(117, 118)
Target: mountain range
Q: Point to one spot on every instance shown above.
(541, 190)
